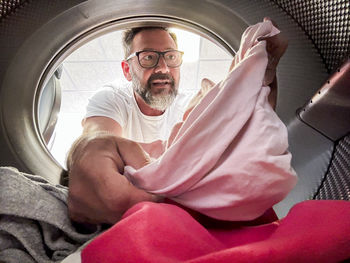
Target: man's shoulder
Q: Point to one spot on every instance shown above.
(118, 88)
(114, 91)
(113, 100)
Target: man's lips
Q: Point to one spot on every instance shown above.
(161, 82)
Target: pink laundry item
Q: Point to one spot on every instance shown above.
(312, 231)
(229, 159)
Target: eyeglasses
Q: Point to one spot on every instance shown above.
(150, 59)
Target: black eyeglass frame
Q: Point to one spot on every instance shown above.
(160, 53)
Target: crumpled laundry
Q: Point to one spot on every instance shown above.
(229, 159)
(312, 231)
(34, 222)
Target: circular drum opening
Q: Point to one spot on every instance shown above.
(94, 60)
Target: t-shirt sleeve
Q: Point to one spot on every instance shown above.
(107, 103)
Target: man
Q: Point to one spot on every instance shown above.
(147, 110)
(97, 190)
(98, 193)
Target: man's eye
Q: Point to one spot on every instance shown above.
(170, 56)
(148, 57)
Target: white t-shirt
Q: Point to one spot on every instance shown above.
(118, 103)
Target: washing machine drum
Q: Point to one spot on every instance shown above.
(40, 34)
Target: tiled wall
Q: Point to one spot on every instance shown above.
(98, 62)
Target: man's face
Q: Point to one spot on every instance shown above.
(156, 86)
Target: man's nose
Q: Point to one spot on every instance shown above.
(162, 66)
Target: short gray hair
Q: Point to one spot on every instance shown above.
(129, 35)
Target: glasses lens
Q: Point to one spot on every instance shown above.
(173, 58)
(148, 59)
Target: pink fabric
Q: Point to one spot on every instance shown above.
(229, 159)
(313, 231)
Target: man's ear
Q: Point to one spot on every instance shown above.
(126, 70)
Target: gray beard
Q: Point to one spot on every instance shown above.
(158, 101)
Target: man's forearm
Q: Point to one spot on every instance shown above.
(98, 192)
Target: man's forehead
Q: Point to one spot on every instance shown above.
(153, 39)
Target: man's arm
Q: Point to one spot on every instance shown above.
(98, 192)
(99, 123)
(276, 46)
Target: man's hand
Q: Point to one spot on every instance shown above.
(276, 46)
(98, 192)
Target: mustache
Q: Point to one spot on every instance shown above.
(161, 76)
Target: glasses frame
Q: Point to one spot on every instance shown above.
(160, 53)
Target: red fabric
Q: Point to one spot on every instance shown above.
(313, 231)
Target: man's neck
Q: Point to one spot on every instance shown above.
(145, 108)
